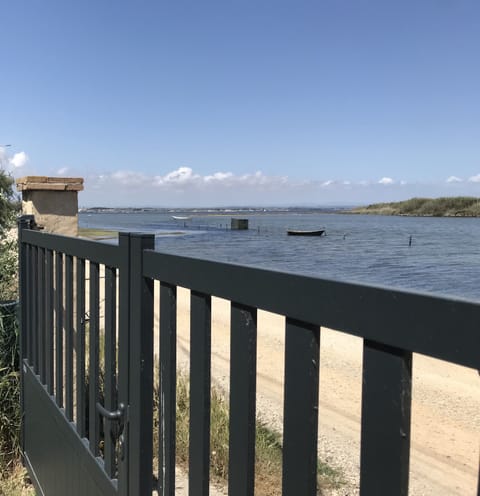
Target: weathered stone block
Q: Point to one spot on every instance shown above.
(53, 201)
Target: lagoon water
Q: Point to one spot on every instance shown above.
(444, 256)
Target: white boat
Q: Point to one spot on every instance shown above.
(176, 217)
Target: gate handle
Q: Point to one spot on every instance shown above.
(115, 415)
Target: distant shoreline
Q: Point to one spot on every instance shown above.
(459, 206)
(214, 210)
(415, 207)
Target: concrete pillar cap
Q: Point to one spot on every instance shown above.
(45, 183)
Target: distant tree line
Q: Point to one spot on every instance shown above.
(458, 206)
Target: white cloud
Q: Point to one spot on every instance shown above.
(218, 176)
(18, 160)
(454, 179)
(62, 171)
(182, 175)
(11, 163)
(185, 187)
(185, 183)
(185, 177)
(386, 180)
(127, 178)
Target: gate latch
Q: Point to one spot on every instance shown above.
(119, 416)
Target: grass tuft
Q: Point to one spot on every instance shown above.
(16, 482)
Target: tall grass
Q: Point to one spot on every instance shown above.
(16, 483)
(9, 388)
(268, 445)
(14, 480)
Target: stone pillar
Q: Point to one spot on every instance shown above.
(53, 201)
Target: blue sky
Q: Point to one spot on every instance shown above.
(188, 103)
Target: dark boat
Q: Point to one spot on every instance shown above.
(294, 232)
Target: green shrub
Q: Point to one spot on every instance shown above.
(8, 203)
(8, 245)
(9, 388)
(8, 270)
(9, 353)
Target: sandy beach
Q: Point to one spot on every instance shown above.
(445, 409)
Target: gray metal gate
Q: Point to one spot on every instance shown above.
(75, 350)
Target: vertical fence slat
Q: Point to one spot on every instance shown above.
(200, 372)
(386, 411)
(32, 304)
(167, 390)
(124, 244)
(24, 222)
(49, 331)
(300, 424)
(41, 314)
(93, 362)
(243, 370)
(29, 303)
(69, 336)
(80, 349)
(35, 326)
(110, 367)
(141, 371)
(59, 328)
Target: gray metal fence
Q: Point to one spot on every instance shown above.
(87, 398)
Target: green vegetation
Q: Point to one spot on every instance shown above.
(459, 206)
(8, 203)
(17, 483)
(268, 452)
(8, 244)
(9, 388)
(13, 479)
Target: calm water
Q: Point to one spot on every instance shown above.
(444, 257)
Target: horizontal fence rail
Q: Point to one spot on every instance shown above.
(100, 368)
(416, 322)
(95, 252)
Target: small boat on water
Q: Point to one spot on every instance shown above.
(176, 217)
(295, 232)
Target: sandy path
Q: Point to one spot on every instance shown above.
(445, 412)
